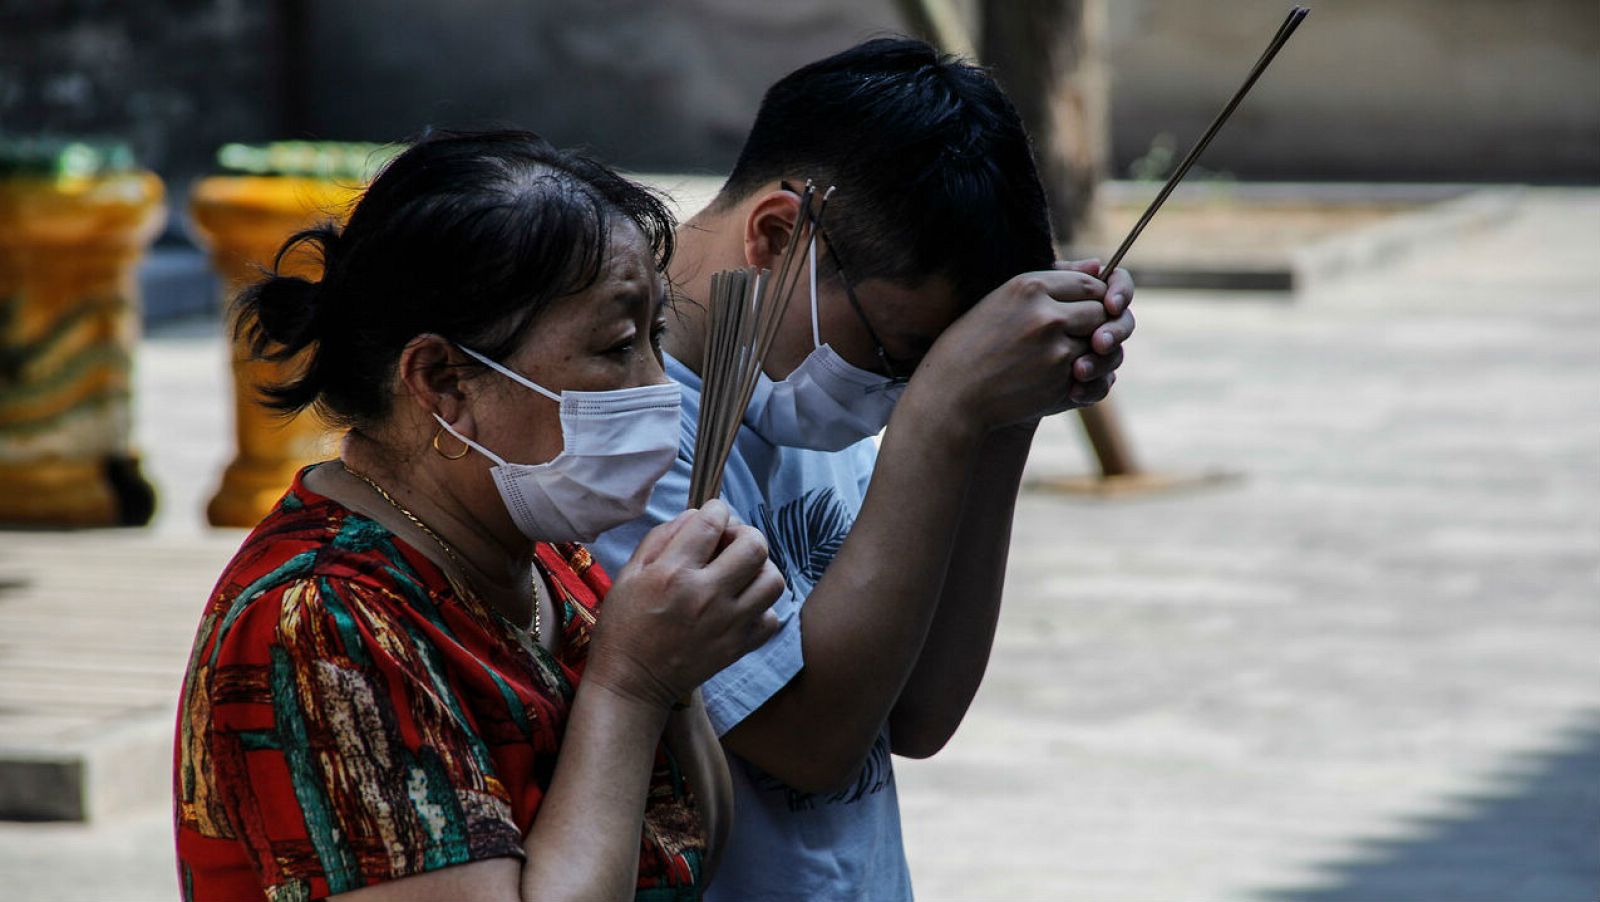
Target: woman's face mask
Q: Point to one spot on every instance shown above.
(615, 446)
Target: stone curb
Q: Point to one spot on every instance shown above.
(1391, 240)
(1445, 212)
(118, 769)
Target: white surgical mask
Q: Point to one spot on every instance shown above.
(827, 403)
(615, 446)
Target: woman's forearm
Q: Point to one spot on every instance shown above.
(584, 843)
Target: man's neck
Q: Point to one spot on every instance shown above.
(704, 247)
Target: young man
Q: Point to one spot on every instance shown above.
(935, 258)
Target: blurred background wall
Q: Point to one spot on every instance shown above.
(1461, 90)
(175, 78)
(1376, 90)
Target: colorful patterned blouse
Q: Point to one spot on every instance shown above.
(350, 716)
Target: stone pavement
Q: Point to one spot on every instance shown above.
(1368, 669)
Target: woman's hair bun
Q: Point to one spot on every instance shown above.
(285, 310)
(280, 313)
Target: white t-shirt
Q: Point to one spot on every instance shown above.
(785, 844)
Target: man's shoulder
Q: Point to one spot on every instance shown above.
(789, 471)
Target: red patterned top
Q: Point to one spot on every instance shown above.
(351, 716)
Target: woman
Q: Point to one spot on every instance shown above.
(378, 692)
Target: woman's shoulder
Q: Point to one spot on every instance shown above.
(313, 549)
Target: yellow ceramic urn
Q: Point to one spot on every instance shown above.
(70, 246)
(243, 220)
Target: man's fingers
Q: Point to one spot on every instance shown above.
(1081, 318)
(1094, 391)
(1119, 292)
(1087, 267)
(1065, 285)
(1112, 334)
(1095, 366)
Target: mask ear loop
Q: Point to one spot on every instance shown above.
(509, 374)
(811, 253)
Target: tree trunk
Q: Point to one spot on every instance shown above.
(941, 23)
(1048, 56)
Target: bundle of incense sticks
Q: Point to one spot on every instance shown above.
(1278, 40)
(746, 307)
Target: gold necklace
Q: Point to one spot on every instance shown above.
(538, 618)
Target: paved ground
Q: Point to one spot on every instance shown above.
(1367, 670)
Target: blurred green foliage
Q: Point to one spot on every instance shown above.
(343, 161)
(62, 158)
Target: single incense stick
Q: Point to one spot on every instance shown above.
(746, 307)
(1282, 37)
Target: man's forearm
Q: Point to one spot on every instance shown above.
(956, 651)
(864, 624)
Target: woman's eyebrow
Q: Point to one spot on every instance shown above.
(632, 298)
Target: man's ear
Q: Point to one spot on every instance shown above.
(766, 229)
(431, 371)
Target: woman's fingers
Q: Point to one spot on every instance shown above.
(754, 606)
(656, 540)
(761, 629)
(762, 591)
(741, 561)
(697, 537)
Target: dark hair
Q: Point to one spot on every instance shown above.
(468, 235)
(934, 172)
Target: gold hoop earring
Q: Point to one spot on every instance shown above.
(464, 449)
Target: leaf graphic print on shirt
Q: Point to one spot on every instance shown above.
(875, 776)
(804, 535)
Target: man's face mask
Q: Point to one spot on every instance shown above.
(827, 403)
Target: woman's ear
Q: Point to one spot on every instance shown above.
(431, 372)
(766, 229)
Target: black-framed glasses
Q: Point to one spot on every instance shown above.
(898, 375)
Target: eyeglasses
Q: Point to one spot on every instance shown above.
(898, 375)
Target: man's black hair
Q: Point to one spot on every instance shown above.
(934, 171)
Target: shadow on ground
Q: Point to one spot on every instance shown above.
(1533, 836)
